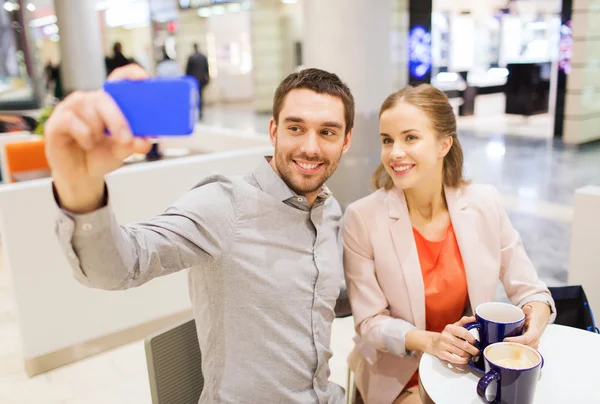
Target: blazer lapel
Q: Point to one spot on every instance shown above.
(406, 250)
(464, 221)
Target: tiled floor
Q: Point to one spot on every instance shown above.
(536, 175)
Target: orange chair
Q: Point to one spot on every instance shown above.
(26, 159)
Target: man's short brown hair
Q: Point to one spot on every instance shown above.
(320, 82)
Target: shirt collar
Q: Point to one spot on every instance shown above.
(325, 193)
(273, 184)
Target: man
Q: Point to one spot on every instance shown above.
(197, 67)
(261, 249)
(117, 60)
(167, 67)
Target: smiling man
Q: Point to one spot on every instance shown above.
(311, 129)
(261, 249)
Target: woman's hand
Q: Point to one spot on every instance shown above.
(536, 319)
(455, 343)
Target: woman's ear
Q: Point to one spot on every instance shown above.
(446, 144)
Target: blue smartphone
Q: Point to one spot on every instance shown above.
(157, 106)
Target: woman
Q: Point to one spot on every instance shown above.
(426, 248)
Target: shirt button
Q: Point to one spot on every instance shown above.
(300, 200)
(86, 226)
(72, 255)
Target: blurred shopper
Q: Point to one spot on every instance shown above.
(53, 82)
(197, 67)
(261, 250)
(50, 72)
(117, 60)
(167, 67)
(424, 250)
(16, 123)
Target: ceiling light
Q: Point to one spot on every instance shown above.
(9, 6)
(204, 12)
(234, 8)
(40, 22)
(218, 10)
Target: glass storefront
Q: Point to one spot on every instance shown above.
(17, 88)
(476, 45)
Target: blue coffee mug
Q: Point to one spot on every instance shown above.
(515, 368)
(495, 322)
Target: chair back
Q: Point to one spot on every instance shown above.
(175, 365)
(572, 308)
(27, 156)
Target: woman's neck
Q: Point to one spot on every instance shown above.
(426, 201)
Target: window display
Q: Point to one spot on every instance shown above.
(480, 42)
(440, 42)
(462, 49)
(419, 41)
(16, 90)
(566, 48)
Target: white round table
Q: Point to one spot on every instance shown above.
(570, 374)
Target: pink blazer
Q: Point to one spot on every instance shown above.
(385, 284)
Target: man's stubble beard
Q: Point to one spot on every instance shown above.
(286, 172)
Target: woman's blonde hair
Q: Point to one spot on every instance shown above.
(439, 111)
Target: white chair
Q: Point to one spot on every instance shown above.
(10, 137)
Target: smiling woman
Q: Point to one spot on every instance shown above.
(425, 249)
(427, 108)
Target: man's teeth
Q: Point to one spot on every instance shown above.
(308, 166)
(401, 168)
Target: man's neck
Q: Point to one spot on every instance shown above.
(311, 197)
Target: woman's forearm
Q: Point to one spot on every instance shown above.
(539, 315)
(419, 340)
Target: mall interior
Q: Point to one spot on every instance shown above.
(521, 75)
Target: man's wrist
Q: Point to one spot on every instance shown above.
(80, 198)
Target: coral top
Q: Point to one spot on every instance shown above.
(445, 283)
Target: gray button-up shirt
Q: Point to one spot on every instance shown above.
(264, 272)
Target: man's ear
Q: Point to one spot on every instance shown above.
(347, 141)
(273, 132)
